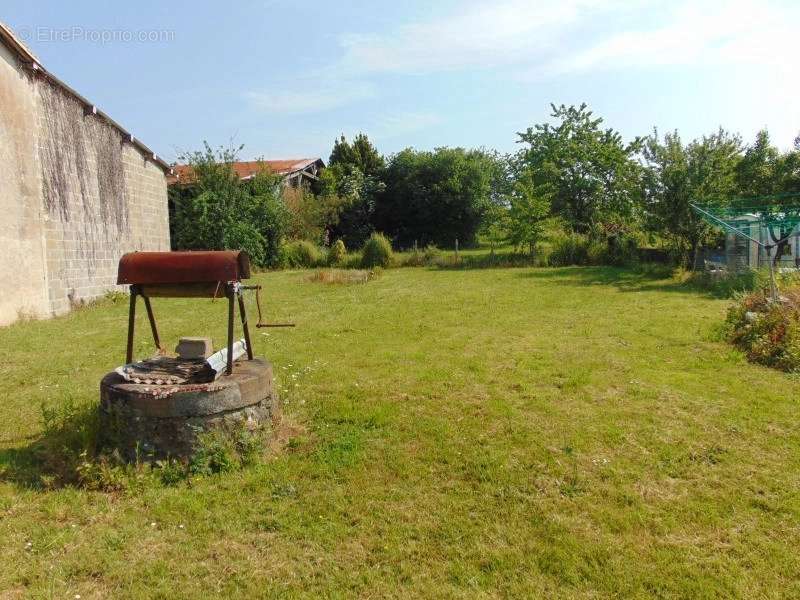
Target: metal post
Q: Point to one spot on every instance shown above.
(243, 316)
(230, 294)
(131, 325)
(152, 320)
(772, 284)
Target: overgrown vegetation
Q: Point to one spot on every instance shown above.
(377, 252)
(220, 212)
(767, 331)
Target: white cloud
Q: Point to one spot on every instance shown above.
(487, 34)
(710, 33)
(538, 39)
(312, 97)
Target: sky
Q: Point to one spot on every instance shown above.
(285, 78)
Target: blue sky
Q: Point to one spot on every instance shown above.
(284, 78)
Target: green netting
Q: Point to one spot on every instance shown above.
(778, 213)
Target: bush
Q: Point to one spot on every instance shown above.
(217, 211)
(767, 332)
(336, 252)
(427, 258)
(377, 252)
(300, 254)
(728, 285)
(569, 249)
(577, 249)
(622, 249)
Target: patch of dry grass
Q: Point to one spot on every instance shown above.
(343, 276)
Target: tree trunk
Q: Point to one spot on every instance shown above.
(696, 257)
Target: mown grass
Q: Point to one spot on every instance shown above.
(571, 432)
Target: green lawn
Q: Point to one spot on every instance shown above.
(487, 433)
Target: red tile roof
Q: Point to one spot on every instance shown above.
(246, 169)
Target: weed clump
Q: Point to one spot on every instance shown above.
(767, 331)
(336, 253)
(300, 254)
(377, 252)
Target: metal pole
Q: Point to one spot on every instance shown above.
(131, 325)
(230, 294)
(243, 316)
(772, 284)
(152, 320)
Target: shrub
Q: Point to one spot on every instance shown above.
(569, 249)
(352, 260)
(217, 211)
(336, 252)
(767, 332)
(622, 249)
(728, 285)
(427, 258)
(300, 254)
(377, 252)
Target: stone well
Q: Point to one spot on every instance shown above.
(154, 422)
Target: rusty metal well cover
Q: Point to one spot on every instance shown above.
(193, 266)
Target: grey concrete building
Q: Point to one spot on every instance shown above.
(76, 192)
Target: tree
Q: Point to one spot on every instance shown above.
(595, 177)
(528, 212)
(765, 171)
(361, 154)
(350, 196)
(349, 186)
(434, 197)
(217, 211)
(704, 172)
(757, 171)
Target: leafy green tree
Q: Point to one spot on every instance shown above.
(494, 222)
(528, 213)
(765, 171)
(757, 171)
(360, 154)
(704, 171)
(434, 197)
(349, 186)
(217, 211)
(349, 196)
(595, 177)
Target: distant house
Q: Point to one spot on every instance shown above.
(77, 191)
(296, 172)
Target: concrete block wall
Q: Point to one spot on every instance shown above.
(82, 196)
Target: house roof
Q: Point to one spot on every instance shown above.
(29, 60)
(182, 174)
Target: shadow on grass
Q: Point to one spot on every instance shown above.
(644, 278)
(53, 458)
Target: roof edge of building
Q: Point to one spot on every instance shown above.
(30, 61)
